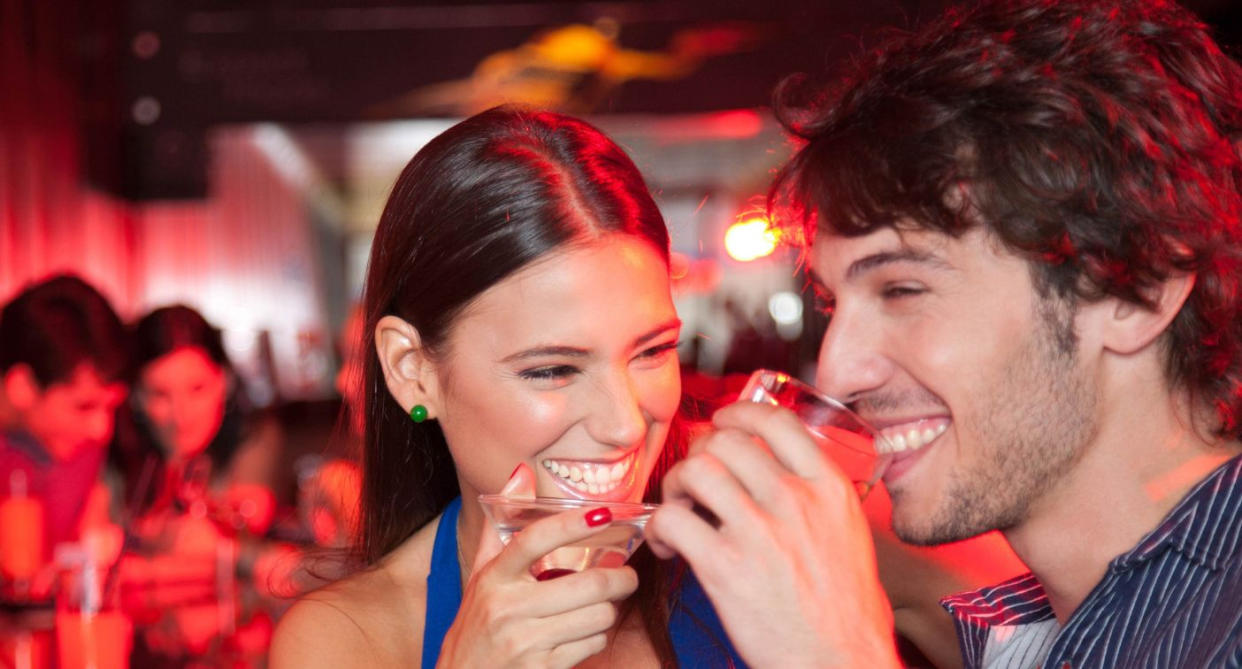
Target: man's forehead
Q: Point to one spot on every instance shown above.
(832, 253)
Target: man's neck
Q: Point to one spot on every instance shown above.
(1132, 475)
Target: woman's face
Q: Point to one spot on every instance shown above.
(569, 365)
(183, 395)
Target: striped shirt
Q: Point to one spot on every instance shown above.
(1175, 600)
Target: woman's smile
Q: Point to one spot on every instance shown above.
(611, 480)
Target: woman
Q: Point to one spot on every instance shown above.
(519, 311)
(189, 433)
(197, 469)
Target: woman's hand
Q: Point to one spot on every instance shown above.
(509, 619)
(788, 560)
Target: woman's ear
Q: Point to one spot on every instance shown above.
(1132, 327)
(409, 370)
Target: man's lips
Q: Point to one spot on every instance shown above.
(911, 435)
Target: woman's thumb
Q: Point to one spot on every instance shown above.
(521, 485)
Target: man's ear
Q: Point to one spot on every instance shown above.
(21, 387)
(1131, 327)
(409, 371)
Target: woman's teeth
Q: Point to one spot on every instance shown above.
(911, 437)
(593, 478)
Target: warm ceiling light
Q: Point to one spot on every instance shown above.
(750, 239)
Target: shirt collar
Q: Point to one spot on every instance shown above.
(1206, 526)
(1018, 601)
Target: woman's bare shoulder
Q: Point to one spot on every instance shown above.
(326, 628)
(373, 617)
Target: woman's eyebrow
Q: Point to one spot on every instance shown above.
(575, 352)
(540, 351)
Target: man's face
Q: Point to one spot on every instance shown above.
(947, 347)
(75, 414)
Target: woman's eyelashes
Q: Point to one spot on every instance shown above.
(548, 372)
(559, 372)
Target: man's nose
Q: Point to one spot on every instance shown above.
(851, 357)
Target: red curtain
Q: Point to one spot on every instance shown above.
(48, 221)
(246, 256)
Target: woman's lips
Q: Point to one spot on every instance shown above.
(593, 479)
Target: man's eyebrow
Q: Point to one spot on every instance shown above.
(656, 332)
(868, 263)
(575, 352)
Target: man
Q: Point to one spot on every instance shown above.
(1027, 227)
(62, 358)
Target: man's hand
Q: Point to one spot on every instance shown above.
(788, 559)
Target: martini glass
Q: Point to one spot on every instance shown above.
(610, 547)
(855, 446)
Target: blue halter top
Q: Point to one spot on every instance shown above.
(698, 638)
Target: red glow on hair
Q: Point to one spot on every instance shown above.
(1062, 250)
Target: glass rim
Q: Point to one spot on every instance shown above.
(787, 378)
(564, 503)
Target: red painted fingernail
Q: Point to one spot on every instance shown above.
(597, 517)
(515, 470)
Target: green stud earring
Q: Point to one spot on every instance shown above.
(419, 413)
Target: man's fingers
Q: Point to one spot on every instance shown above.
(679, 530)
(789, 440)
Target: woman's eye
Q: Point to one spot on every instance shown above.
(552, 372)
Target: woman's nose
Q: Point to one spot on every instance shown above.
(616, 416)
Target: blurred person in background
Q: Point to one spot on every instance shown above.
(196, 463)
(63, 361)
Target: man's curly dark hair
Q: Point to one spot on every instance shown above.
(1097, 139)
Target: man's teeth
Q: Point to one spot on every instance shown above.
(590, 477)
(910, 438)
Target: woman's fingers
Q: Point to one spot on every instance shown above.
(584, 589)
(571, 654)
(545, 535)
(521, 485)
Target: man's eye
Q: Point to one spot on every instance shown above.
(899, 291)
(657, 351)
(553, 372)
